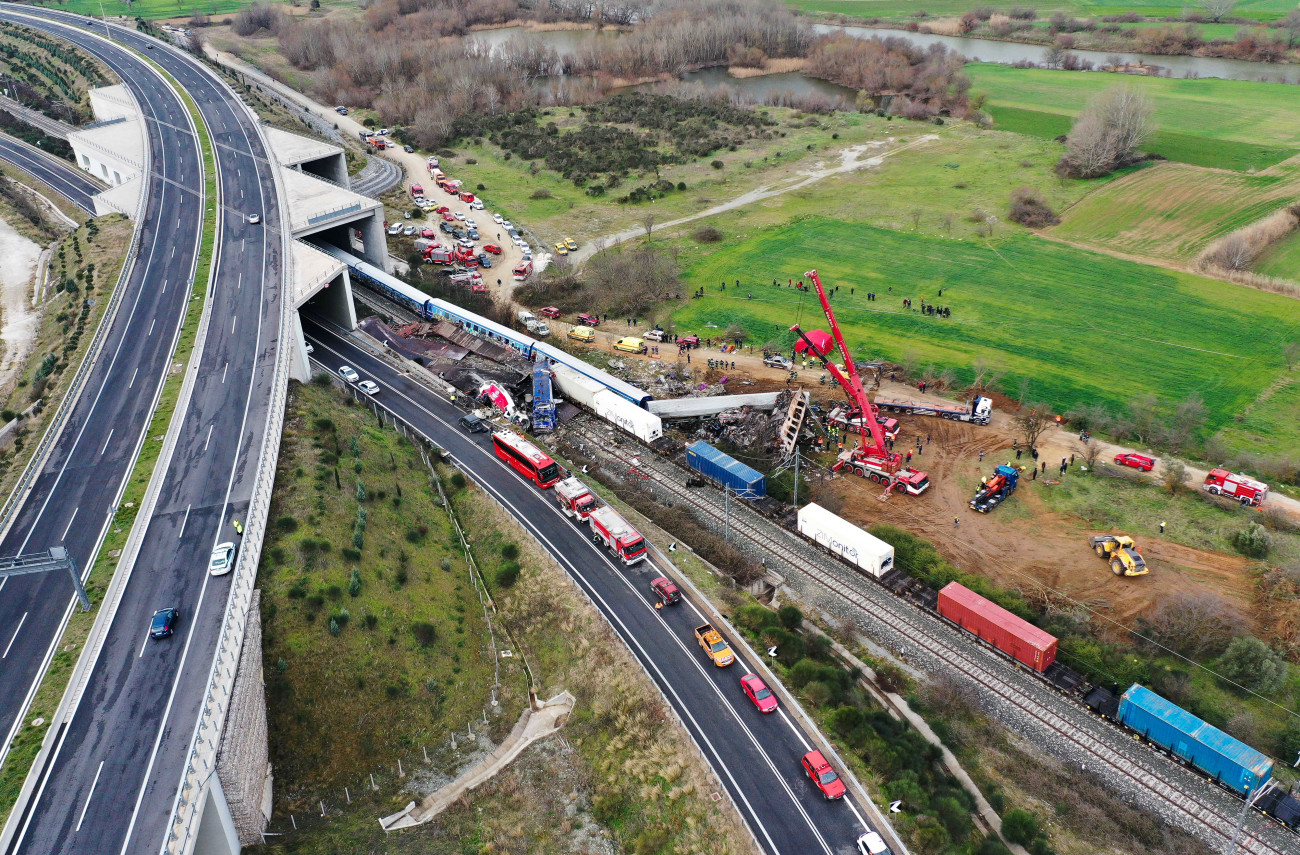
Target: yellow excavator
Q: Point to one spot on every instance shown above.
(1121, 552)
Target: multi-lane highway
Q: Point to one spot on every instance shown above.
(756, 757)
(111, 783)
(74, 184)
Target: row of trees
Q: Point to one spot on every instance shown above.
(919, 82)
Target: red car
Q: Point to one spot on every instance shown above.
(689, 340)
(447, 217)
(1137, 461)
(428, 233)
(665, 590)
(758, 692)
(550, 312)
(585, 319)
(492, 248)
(823, 775)
(441, 209)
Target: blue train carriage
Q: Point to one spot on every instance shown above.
(746, 482)
(1232, 763)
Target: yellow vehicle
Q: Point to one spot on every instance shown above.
(714, 646)
(583, 334)
(1121, 552)
(561, 249)
(630, 344)
(571, 244)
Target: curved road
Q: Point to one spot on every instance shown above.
(75, 185)
(112, 781)
(756, 757)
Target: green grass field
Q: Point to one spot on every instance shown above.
(1263, 10)
(154, 10)
(1079, 326)
(1283, 259)
(1228, 124)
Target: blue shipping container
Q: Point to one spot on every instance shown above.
(708, 461)
(1232, 763)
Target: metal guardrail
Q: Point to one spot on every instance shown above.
(202, 758)
(105, 122)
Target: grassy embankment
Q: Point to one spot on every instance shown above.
(1060, 318)
(47, 698)
(1282, 259)
(1263, 10)
(373, 693)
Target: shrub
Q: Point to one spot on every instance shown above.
(371, 621)
(717, 164)
(1030, 209)
(354, 585)
(541, 193)
(510, 552)
(1252, 664)
(425, 633)
(817, 693)
(1019, 826)
(791, 617)
(1253, 541)
(401, 576)
(287, 524)
(708, 234)
(350, 554)
(754, 617)
(507, 575)
(323, 424)
(335, 629)
(681, 185)
(458, 481)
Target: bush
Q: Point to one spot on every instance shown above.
(350, 554)
(425, 633)
(717, 164)
(354, 585)
(510, 552)
(507, 575)
(287, 524)
(1253, 541)
(1253, 665)
(791, 617)
(1030, 209)
(708, 234)
(1019, 826)
(458, 481)
(817, 693)
(754, 617)
(541, 193)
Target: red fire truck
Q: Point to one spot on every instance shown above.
(526, 459)
(609, 528)
(1248, 491)
(575, 499)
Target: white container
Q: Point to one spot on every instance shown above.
(842, 538)
(642, 424)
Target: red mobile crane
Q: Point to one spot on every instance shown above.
(872, 459)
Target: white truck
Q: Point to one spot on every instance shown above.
(845, 540)
(575, 499)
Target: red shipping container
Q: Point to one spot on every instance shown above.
(1016, 637)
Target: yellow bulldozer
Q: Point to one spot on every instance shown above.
(1121, 552)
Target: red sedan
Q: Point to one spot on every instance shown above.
(428, 233)
(550, 312)
(758, 692)
(823, 775)
(447, 217)
(441, 209)
(492, 248)
(665, 590)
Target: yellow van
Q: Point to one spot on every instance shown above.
(630, 344)
(583, 334)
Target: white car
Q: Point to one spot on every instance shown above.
(370, 387)
(496, 218)
(433, 163)
(310, 350)
(505, 224)
(222, 560)
(477, 204)
(348, 374)
(383, 132)
(395, 229)
(471, 223)
(872, 844)
(254, 219)
(410, 230)
(458, 215)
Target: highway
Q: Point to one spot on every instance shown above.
(74, 184)
(755, 756)
(112, 782)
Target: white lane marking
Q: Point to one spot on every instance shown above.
(173, 253)
(90, 795)
(107, 440)
(145, 643)
(209, 439)
(223, 372)
(68, 527)
(2, 583)
(151, 323)
(17, 629)
(240, 281)
(133, 373)
(631, 639)
(232, 324)
(184, 522)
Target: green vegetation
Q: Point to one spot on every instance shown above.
(1227, 124)
(1282, 259)
(1263, 10)
(1269, 428)
(1052, 314)
(151, 9)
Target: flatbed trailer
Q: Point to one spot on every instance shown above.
(979, 410)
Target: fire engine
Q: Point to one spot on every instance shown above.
(575, 499)
(1248, 491)
(609, 528)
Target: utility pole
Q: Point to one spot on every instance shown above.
(726, 492)
(1241, 819)
(796, 476)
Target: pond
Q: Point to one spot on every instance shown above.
(990, 50)
(772, 88)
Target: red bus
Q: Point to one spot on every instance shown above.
(526, 458)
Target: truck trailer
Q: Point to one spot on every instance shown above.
(845, 540)
(978, 410)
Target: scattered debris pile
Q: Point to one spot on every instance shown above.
(748, 427)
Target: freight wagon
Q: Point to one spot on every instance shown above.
(597, 397)
(1014, 636)
(745, 481)
(1231, 763)
(845, 540)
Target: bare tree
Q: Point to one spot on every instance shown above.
(916, 218)
(1108, 133)
(1089, 453)
(1217, 10)
(1032, 422)
(1186, 422)
(1175, 477)
(1195, 623)
(1291, 26)
(986, 376)
(648, 223)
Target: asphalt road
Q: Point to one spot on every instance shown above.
(755, 756)
(112, 783)
(74, 184)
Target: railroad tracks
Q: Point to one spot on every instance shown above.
(1185, 809)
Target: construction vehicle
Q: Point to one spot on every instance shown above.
(995, 489)
(1121, 552)
(872, 459)
(714, 645)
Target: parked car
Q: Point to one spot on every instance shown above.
(569, 242)
(758, 693)
(433, 163)
(492, 248)
(630, 344)
(370, 387)
(410, 230)
(689, 340)
(665, 590)
(164, 622)
(222, 559)
(342, 111)
(458, 215)
(445, 227)
(408, 149)
(776, 360)
(458, 234)
(588, 320)
(395, 229)
(346, 372)
(822, 775)
(473, 233)
(505, 224)
(872, 844)
(496, 218)
(561, 249)
(1137, 461)
(427, 232)
(442, 209)
(655, 334)
(447, 217)
(582, 334)
(474, 424)
(476, 205)
(484, 261)
(550, 312)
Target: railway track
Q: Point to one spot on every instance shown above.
(1188, 809)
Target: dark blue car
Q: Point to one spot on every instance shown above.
(163, 623)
